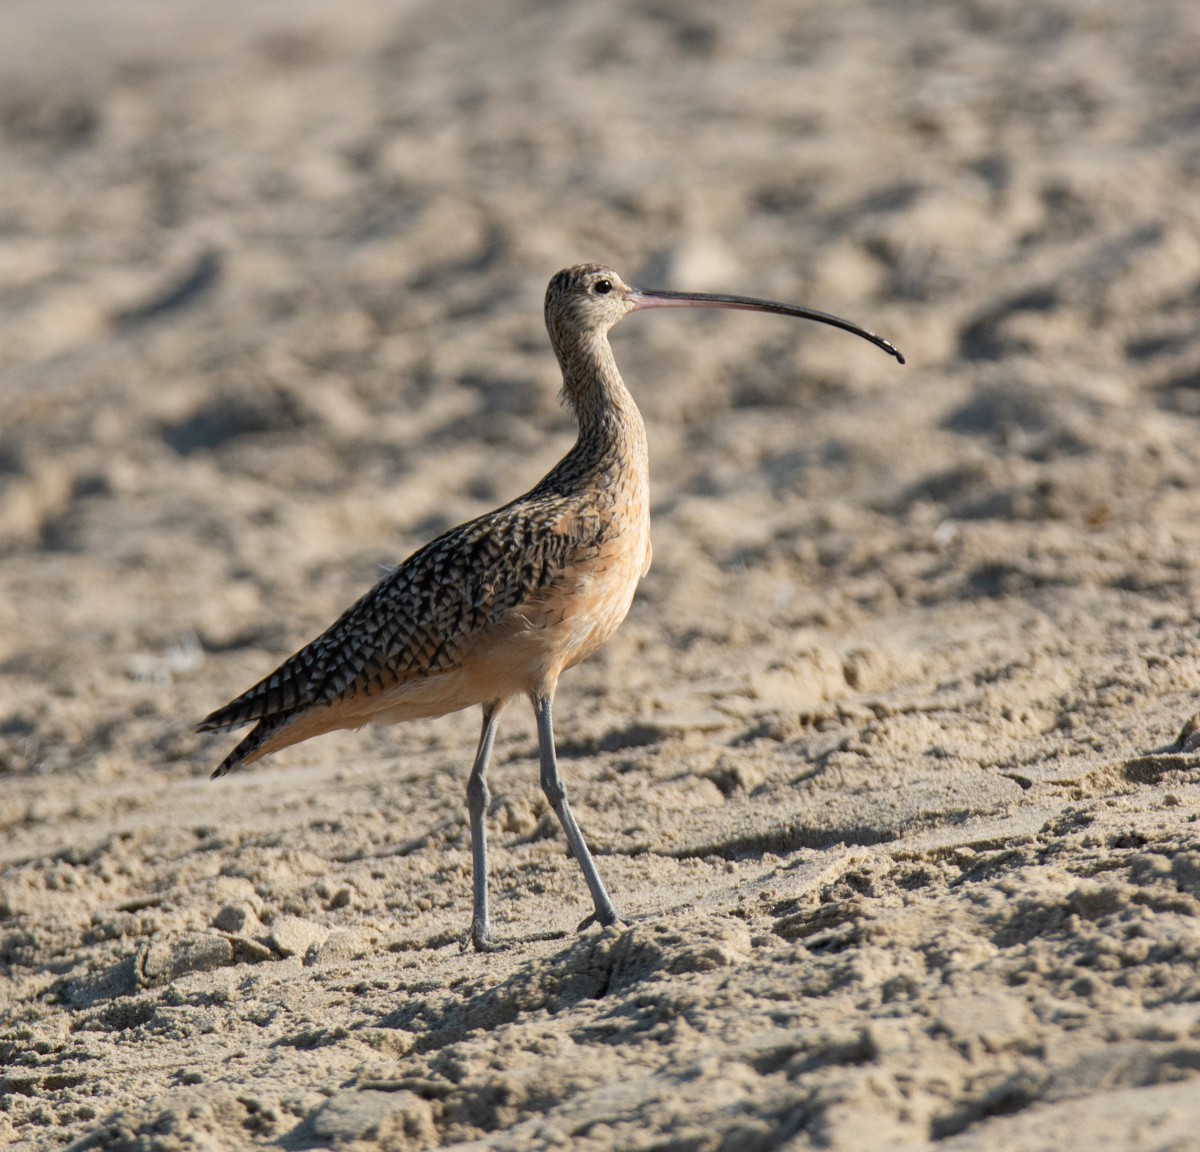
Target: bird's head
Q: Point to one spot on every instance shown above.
(585, 301)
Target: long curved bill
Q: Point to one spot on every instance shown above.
(649, 298)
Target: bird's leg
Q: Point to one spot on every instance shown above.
(557, 795)
(477, 802)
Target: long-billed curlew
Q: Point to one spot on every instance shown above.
(502, 605)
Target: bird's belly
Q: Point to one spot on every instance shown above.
(525, 654)
(527, 650)
(425, 697)
(558, 628)
(581, 615)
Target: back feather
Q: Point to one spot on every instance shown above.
(421, 618)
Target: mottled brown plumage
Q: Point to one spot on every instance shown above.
(502, 605)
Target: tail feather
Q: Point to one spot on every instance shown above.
(281, 693)
(252, 745)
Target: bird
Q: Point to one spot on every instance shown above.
(502, 605)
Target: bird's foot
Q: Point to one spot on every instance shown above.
(605, 919)
(481, 939)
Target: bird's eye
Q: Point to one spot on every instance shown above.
(602, 287)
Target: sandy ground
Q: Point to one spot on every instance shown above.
(893, 767)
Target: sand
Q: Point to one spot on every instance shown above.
(894, 768)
